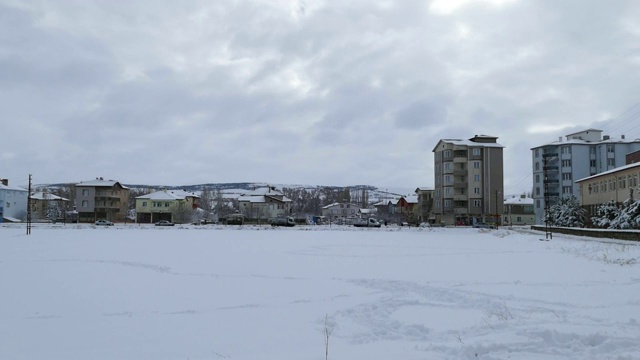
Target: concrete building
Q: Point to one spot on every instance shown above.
(580, 155)
(615, 185)
(264, 203)
(172, 205)
(425, 203)
(101, 199)
(469, 180)
(48, 206)
(13, 202)
(518, 210)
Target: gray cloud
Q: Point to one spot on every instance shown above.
(301, 92)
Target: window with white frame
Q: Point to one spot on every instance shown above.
(476, 190)
(446, 154)
(85, 192)
(476, 164)
(476, 151)
(477, 203)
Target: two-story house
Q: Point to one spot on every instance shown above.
(342, 210)
(518, 210)
(101, 199)
(13, 202)
(264, 203)
(172, 205)
(45, 205)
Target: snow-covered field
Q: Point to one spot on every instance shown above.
(210, 292)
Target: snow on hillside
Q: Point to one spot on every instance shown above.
(216, 292)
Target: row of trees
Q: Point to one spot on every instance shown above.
(611, 216)
(569, 213)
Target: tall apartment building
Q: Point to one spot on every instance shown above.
(580, 155)
(469, 180)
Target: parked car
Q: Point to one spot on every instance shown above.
(235, 219)
(282, 221)
(370, 222)
(104, 223)
(164, 223)
(481, 225)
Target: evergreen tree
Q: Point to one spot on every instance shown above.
(605, 214)
(568, 213)
(628, 217)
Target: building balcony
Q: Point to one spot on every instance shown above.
(550, 155)
(460, 185)
(461, 210)
(460, 197)
(552, 194)
(550, 168)
(460, 172)
(460, 160)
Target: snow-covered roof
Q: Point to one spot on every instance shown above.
(424, 188)
(266, 190)
(41, 195)
(518, 200)
(612, 171)
(411, 199)
(100, 183)
(262, 198)
(12, 188)
(168, 195)
(468, 143)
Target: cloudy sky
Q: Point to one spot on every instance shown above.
(301, 91)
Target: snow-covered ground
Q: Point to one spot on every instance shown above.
(210, 292)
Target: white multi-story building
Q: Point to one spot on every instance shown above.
(580, 155)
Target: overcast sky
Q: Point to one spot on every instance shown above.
(304, 92)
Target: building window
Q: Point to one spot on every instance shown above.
(566, 150)
(144, 204)
(85, 192)
(537, 178)
(538, 204)
(447, 204)
(475, 152)
(566, 176)
(610, 148)
(85, 203)
(537, 191)
(447, 191)
(476, 190)
(537, 152)
(622, 183)
(603, 186)
(611, 162)
(537, 166)
(447, 154)
(476, 164)
(477, 203)
(447, 166)
(566, 163)
(447, 179)
(566, 189)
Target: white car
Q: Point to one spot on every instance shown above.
(103, 223)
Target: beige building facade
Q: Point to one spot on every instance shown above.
(615, 185)
(469, 180)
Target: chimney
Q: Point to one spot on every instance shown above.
(622, 136)
(560, 139)
(605, 137)
(5, 182)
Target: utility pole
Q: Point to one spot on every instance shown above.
(497, 214)
(29, 208)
